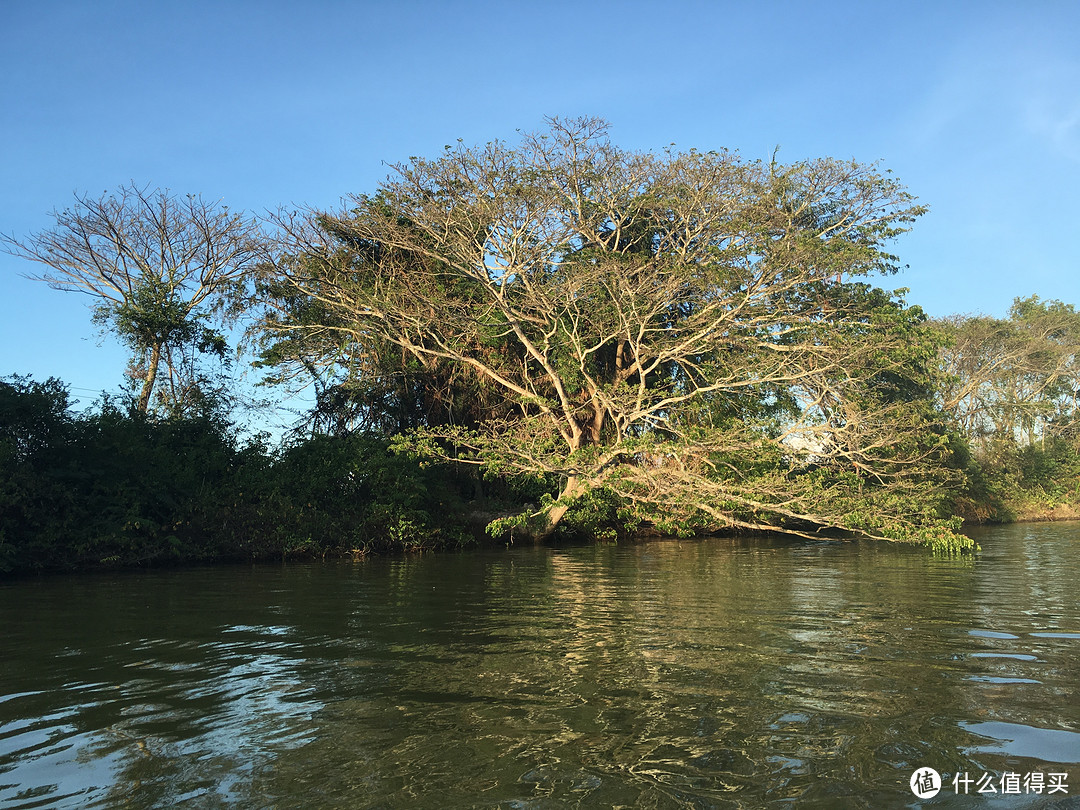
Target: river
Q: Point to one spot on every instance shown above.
(707, 673)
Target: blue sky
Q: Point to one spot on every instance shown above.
(974, 106)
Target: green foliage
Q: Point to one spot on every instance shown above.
(601, 515)
(152, 316)
(945, 541)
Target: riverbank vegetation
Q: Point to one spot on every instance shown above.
(115, 486)
(549, 339)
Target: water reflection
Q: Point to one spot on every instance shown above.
(710, 674)
(1047, 745)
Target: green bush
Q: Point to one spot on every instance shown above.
(117, 487)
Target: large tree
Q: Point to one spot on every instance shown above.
(685, 329)
(166, 273)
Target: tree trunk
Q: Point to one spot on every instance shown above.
(571, 491)
(596, 426)
(151, 377)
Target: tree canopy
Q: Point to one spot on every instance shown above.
(690, 331)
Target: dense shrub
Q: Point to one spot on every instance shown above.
(1008, 482)
(117, 487)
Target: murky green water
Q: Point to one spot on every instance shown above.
(714, 673)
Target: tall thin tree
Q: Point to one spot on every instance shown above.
(168, 273)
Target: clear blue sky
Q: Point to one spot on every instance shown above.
(974, 105)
